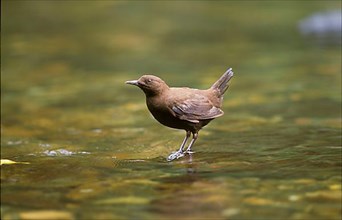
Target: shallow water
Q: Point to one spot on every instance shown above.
(87, 148)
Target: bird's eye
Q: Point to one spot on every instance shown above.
(149, 80)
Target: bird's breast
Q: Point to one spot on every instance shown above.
(162, 114)
(158, 108)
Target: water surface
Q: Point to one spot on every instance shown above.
(92, 150)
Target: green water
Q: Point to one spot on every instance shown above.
(94, 152)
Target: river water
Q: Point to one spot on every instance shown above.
(86, 147)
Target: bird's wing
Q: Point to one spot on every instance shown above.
(196, 108)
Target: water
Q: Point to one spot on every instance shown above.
(87, 148)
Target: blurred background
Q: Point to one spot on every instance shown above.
(83, 145)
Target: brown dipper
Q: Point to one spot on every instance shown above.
(183, 108)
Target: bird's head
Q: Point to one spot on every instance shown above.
(151, 85)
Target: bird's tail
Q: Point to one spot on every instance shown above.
(221, 85)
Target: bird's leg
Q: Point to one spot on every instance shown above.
(188, 133)
(179, 153)
(194, 138)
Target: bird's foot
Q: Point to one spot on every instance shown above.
(175, 155)
(188, 152)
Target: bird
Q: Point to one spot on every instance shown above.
(183, 108)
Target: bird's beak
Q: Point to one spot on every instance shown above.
(133, 82)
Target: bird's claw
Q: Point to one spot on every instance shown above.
(175, 155)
